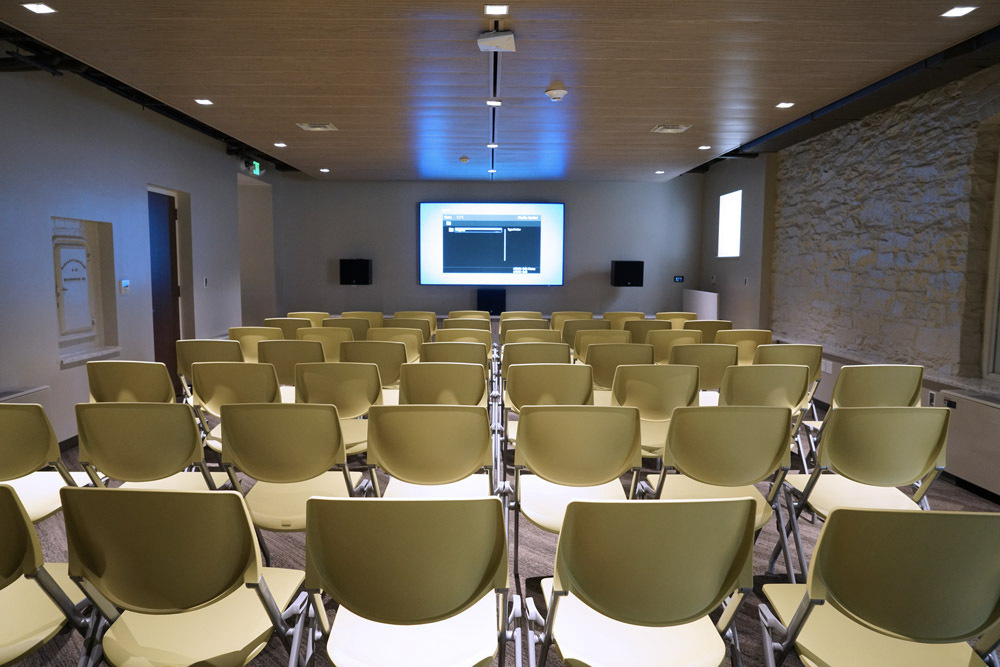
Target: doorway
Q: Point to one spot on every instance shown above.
(164, 284)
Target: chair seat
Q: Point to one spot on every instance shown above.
(390, 396)
(214, 439)
(681, 487)
(282, 507)
(182, 481)
(39, 491)
(812, 425)
(473, 486)
(511, 430)
(228, 632)
(834, 491)
(602, 396)
(829, 638)
(654, 437)
(287, 392)
(708, 397)
(544, 503)
(28, 617)
(587, 637)
(470, 638)
(355, 433)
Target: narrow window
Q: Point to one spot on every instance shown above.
(730, 212)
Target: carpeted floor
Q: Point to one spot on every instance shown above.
(537, 554)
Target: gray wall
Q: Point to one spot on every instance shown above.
(317, 224)
(74, 150)
(256, 211)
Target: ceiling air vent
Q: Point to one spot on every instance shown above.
(670, 129)
(318, 127)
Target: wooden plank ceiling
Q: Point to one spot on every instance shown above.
(406, 85)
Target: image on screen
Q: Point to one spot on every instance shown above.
(491, 244)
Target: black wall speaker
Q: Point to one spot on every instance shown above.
(626, 274)
(355, 272)
(493, 300)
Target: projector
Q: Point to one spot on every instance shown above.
(497, 41)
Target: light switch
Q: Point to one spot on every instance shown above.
(124, 286)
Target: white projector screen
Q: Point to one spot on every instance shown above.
(491, 243)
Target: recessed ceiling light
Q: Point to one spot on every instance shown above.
(496, 10)
(280, 144)
(704, 148)
(785, 105)
(951, 13)
(40, 8)
(204, 102)
(491, 171)
(493, 145)
(659, 171)
(325, 170)
(494, 102)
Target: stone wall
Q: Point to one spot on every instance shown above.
(882, 231)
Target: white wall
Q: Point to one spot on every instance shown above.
(72, 149)
(256, 249)
(316, 224)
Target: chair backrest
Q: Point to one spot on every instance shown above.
(466, 323)
(655, 390)
(708, 328)
(550, 384)
(559, 317)
(780, 386)
(877, 384)
(193, 350)
(456, 552)
(578, 445)
(605, 358)
(663, 341)
(924, 576)
(412, 339)
(282, 442)
(429, 444)
(587, 337)
(684, 578)
(129, 382)
(389, 355)
(533, 336)
(570, 327)
(27, 441)
(358, 325)
(676, 318)
(217, 383)
(411, 323)
(711, 358)
(20, 550)
(374, 317)
(442, 383)
(797, 355)
(329, 337)
(533, 353)
(520, 315)
(315, 317)
(745, 339)
(639, 328)
(513, 324)
(459, 352)
(352, 387)
(728, 445)
(248, 337)
(147, 550)
(475, 314)
(428, 315)
(285, 354)
(288, 325)
(138, 442)
(620, 317)
(482, 336)
(884, 446)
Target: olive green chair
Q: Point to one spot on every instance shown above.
(358, 325)
(713, 360)
(664, 341)
(571, 326)
(288, 325)
(442, 383)
(411, 338)
(466, 323)
(533, 336)
(428, 315)
(431, 451)
(584, 338)
(37, 599)
(193, 350)
(676, 318)
(284, 355)
(375, 318)
(544, 384)
(655, 390)
(176, 574)
(697, 558)
(388, 355)
(457, 351)
(315, 317)
(620, 317)
(473, 314)
(605, 358)
(420, 323)
(482, 336)
(218, 383)
(797, 355)
(520, 315)
(745, 339)
(352, 387)
(559, 317)
(144, 445)
(533, 353)
(892, 588)
(514, 324)
(248, 337)
(30, 460)
(708, 328)
(443, 603)
(129, 381)
(329, 337)
(640, 328)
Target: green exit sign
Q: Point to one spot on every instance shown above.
(255, 167)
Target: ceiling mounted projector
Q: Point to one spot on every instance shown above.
(556, 94)
(497, 41)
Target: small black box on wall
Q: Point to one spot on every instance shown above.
(355, 272)
(492, 300)
(626, 274)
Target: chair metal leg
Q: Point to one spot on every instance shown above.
(264, 551)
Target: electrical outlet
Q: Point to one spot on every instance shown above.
(930, 398)
(826, 366)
